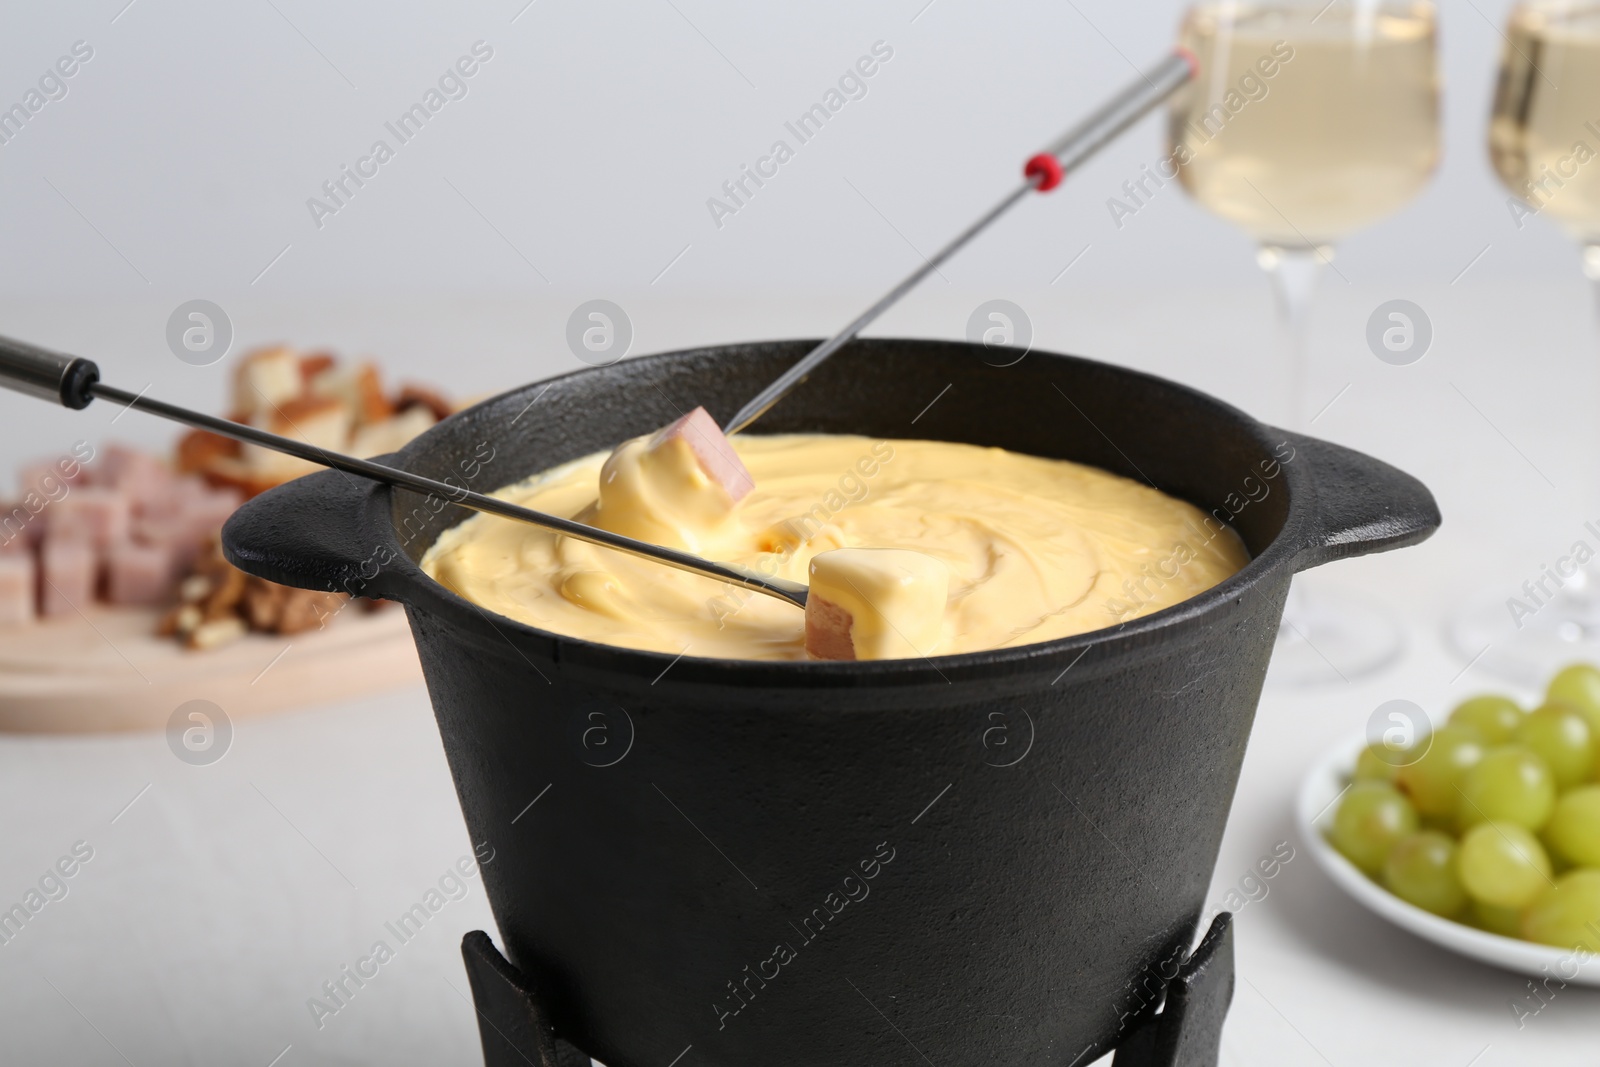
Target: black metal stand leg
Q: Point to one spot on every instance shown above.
(511, 1022)
(1188, 1031)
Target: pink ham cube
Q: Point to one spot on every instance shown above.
(139, 575)
(140, 475)
(91, 512)
(187, 491)
(18, 585)
(69, 571)
(192, 517)
(204, 515)
(170, 532)
(159, 501)
(48, 478)
(711, 450)
(875, 603)
(190, 487)
(828, 629)
(19, 528)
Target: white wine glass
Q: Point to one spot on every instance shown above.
(1544, 136)
(1308, 121)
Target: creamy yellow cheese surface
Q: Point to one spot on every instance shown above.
(1036, 549)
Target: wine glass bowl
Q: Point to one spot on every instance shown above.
(1307, 122)
(1544, 134)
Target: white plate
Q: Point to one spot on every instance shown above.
(1314, 817)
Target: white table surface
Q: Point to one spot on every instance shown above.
(219, 901)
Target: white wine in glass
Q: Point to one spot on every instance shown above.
(1306, 122)
(1544, 142)
(1544, 136)
(1343, 134)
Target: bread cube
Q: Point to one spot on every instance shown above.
(266, 379)
(392, 434)
(358, 387)
(320, 421)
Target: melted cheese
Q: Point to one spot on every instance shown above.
(1034, 549)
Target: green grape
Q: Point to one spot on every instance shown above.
(1567, 915)
(1574, 828)
(1444, 824)
(1560, 735)
(1578, 685)
(1421, 870)
(1503, 864)
(1371, 766)
(1370, 819)
(1504, 921)
(1494, 717)
(1510, 784)
(1430, 782)
(1558, 862)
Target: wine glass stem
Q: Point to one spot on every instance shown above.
(1294, 273)
(1591, 269)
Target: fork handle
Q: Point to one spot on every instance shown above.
(45, 374)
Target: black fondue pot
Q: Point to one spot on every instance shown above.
(991, 858)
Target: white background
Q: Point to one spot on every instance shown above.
(179, 165)
(594, 136)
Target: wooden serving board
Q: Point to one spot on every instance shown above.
(108, 670)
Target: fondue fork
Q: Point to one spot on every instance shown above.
(74, 382)
(1042, 173)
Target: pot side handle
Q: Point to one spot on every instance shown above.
(324, 531)
(1363, 505)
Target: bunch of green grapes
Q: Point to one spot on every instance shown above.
(1496, 822)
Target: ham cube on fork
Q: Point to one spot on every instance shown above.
(875, 603)
(711, 451)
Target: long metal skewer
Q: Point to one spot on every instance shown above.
(75, 382)
(1044, 172)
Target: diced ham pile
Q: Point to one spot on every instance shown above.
(118, 528)
(128, 529)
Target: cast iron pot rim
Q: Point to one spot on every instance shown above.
(1164, 626)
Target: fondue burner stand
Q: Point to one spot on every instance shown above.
(1180, 1028)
